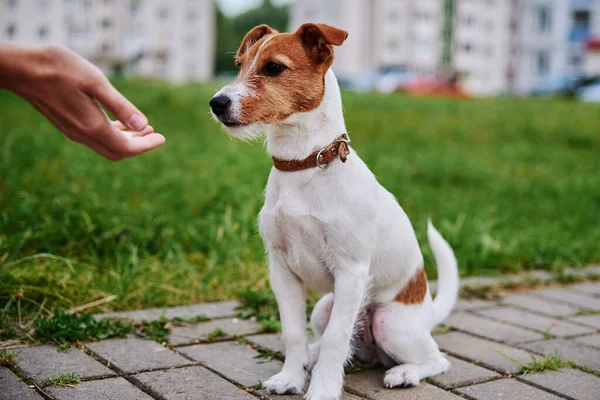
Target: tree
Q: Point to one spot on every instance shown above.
(231, 31)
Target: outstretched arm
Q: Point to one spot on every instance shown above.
(69, 90)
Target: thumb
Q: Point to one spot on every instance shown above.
(118, 105)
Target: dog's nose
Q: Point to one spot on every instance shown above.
(220, 105)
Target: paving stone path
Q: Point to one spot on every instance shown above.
(486, 341)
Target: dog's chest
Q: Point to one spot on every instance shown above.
(298, 237)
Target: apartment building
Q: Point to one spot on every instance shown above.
(171, 40)
(497, 46)
(382, 33)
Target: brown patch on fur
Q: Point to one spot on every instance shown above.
(300, 87)
(415, 290)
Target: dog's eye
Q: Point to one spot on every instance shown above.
(272, 69)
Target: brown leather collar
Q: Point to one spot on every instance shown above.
(337, 149)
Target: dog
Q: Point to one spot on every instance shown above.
(329, 225)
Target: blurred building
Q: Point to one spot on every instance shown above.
(496, 46)
(170, 40)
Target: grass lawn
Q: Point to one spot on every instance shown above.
(512, 184)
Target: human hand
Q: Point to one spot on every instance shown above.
(69, 90)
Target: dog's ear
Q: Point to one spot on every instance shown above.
(252, 37)
(318, 40)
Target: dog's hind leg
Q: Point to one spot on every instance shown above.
(403, 333)
(318, 323)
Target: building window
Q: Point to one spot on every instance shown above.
(191, 16)
(542, 63)
(105, 48)
(467, 48)
(12, 4)
(79, 33)
(43, 33)
(11, 31)
(163, 14)
(106, 23)
(544, 19)
(134, 7)
(43, 4)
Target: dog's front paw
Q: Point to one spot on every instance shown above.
(406, 375)
(326, 383)
(285, 383)
(322, 393)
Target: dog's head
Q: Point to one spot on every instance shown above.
(281, 74)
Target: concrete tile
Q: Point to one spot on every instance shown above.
(567, 382)
(533, 321)
(582, 354)
(39, 363)
(13, 388)
(489, 354)
(465, 305)
(271, 341)
(539, 305)
(238, 363)
(196, 333)
(592, 340)
(491, 329)
(592, 288)
(590, 320)
(134, 354)
(190, 383)
(212, 310)
(462, 373)
(564, 295)
(505, 389)
(370, 384)
(104, 389)
(266, 396)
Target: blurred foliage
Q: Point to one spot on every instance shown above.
(231, 30)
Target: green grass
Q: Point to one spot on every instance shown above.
(512, 184)
(66, 379)
(7, 358)
(217, 333)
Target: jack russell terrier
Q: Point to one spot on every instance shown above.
(329, 225)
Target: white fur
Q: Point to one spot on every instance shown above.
(338, 230)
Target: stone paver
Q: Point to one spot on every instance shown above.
(590, 320)
(489, 354)
(582, 354)
(505, 389)
(482, 368)
(539, 305)
(491, 329)
(12, 387)
(190, 383)
(567, 382)
(133, 354)
(465, 305)
(266, 396)
(39, 363)
(537, 322)
(462, 373)
(105, 389)
(370, 384)
(572, 297)
(592, 288)
(271, 341)
(237, 362)
(592, 340)
(189, 334)
(211, 310)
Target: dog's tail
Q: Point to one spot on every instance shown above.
(447, 290)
